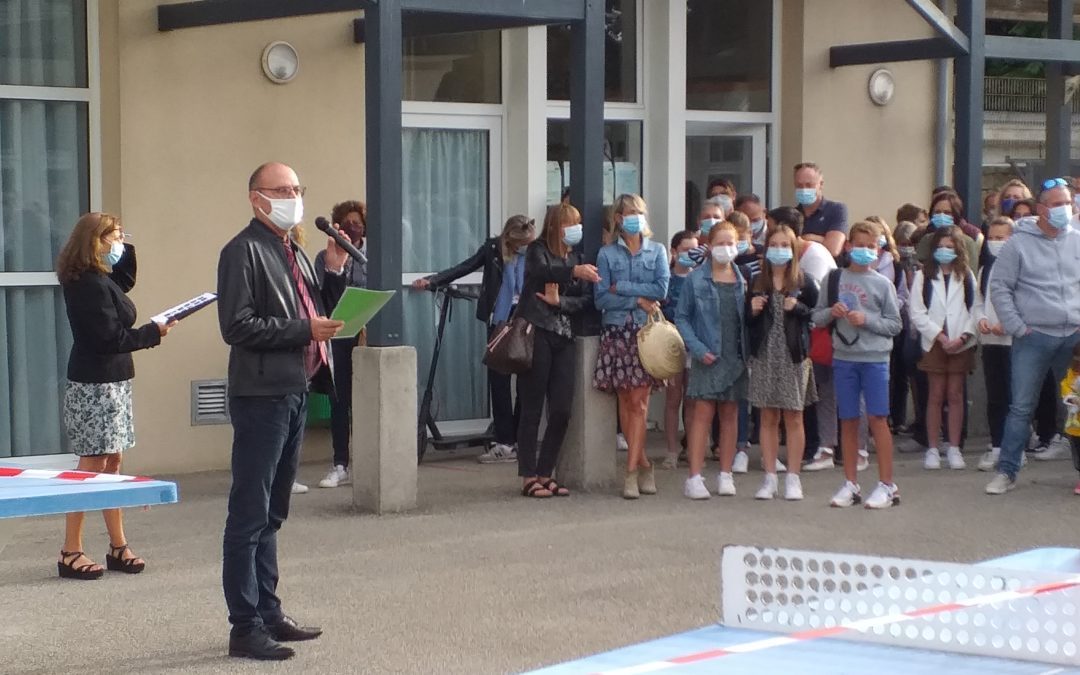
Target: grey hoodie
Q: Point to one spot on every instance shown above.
(1036, 282)
(873, 295)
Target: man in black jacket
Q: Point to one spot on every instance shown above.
(272, 313)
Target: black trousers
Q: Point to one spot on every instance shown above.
(1046, 412)
(552, 379)
(997, 370)
(341, 405)
(504, 411)
(267, 434)
(899, 381)
(1075, 442)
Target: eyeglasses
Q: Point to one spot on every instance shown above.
(283, 192)
(1054, 183)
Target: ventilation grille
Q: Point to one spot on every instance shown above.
(209, 402)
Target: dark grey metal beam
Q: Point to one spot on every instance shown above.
(417, 24)
(384, 198)
(970, 69)
(891, 52)
(536, 11)
(1058, 112)
(941, 23)
(217, 12)
(1033, 49)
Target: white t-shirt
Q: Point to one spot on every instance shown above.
(815, 261)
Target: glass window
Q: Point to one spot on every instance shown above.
(622, 159)
(729, 55)
(43, 43)
(620, 55)
(457, 68)
(709, 158)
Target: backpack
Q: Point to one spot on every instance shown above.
(969, 291)
(821, 350)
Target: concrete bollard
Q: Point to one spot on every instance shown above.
(587, 461)
(384, 429)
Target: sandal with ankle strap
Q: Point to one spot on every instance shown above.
(115, 561)
(554, 488)
(67, 570)
(535, 490)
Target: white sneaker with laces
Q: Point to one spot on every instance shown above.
(1000, 484)
(932, 460)
(823, 459)
(780, 468)
(620, 443)
(741, 464)
(338, 475)
(497, 454)
(694, 488)
(725, 485)
(864, 460)
(299, 488)
(883, 496)
(989, 459)
(955, 458)
(1059, 448)
(768, 487)
(848, 494)
(793, 487)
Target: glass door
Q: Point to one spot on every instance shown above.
(736, 152)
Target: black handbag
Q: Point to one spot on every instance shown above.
(510, 350)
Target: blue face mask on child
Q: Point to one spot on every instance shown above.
(863, 256)
(944, 256)
(779, 255)
(742, 246)
(706, 224)
(685, 260)
(941, 220)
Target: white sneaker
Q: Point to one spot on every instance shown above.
(792, 487)
(741, 464)
(694, 488)
(299, 488)
(670, 462)
(620, 443)
(883, 496)
(989, 459)
(725, 485)
(1059, 448)
(1000, 485)
(932, 460)
(780, 468)
(823, 459)
(497, 454)
(955, 458)
(768, 487)
(338, 475)
(848, 494)
(864, 461)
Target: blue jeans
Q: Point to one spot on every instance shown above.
(1032, 357)
(267, 432)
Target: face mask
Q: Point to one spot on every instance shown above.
(882, 241)
(944, 256)
(805, 196)
(1007, 205)
(758, 226)
(571, 235)
(742, 246)
(994, 247)
(863, 256)
(941, 219)
(724, 254)
(633, 224)
(685, 260)
(1061, 216)
(906, 252)
(1076, 202)
(285, 213)
(116, 251)
(706, 224)
(779, 256)
(1027, 221)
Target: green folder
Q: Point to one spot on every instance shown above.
(356, 307)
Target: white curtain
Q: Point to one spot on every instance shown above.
(445, 219)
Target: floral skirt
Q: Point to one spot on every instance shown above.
(98, 417)
(618, 367)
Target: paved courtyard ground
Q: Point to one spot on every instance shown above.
(477, 579)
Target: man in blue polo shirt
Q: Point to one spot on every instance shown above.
(825, 222)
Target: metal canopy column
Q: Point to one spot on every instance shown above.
(970, 68)
(1058, 110)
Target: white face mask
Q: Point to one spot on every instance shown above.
(284, 213)
(724, 254)
(995, 247)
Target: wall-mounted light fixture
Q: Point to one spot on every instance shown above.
(882, 86)
(280, 62)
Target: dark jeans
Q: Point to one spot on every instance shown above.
(505, 412)
(899, 381)
(341, 405)
(551, 378)
(1074, 441)
(267, 433)
(1046, 411)
(997, 366)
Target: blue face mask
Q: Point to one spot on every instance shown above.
(1007, 205)
(116, 251)
(571, 235)
(882, 241)
(706, 224)
(742, 246)
(1061, 216)
(942, 220)
(863, 256)
(944, 256)
(633, 224)
(805, 196)
(685, 260)
(779, 256)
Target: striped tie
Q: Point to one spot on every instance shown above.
(315, 353)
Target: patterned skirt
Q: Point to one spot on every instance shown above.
(618, 366)
(98, 417)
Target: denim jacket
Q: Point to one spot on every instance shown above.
(644, 274)
(698, 314)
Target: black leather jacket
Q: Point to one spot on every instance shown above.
(259, 313)
(488, 256)
(544, 267)
(796, 322)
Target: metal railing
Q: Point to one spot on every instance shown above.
(1018, 95)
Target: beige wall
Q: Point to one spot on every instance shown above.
(195, 116)
(874, 158)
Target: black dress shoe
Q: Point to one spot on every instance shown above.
(288, 631)
(260, 645)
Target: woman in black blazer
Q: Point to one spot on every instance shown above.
(95, 269)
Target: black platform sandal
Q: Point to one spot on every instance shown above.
(535, 490)
(65, 567)
(115, 561)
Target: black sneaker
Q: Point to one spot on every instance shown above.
(259, 645)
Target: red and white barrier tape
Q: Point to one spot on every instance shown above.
(78, 476)
(860, 625)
